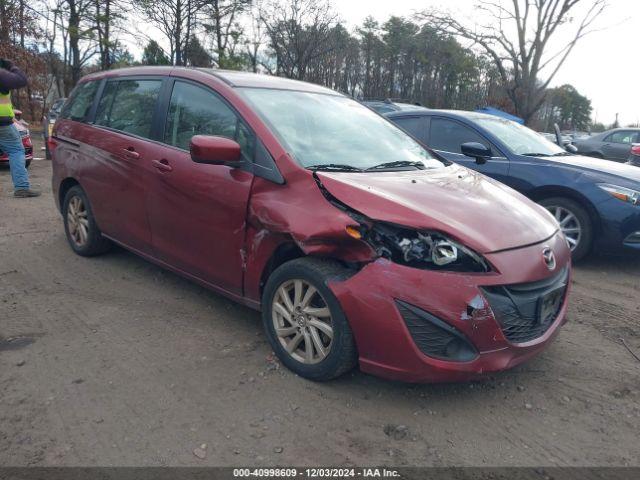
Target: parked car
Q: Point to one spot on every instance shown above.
(634, 156)
(611, 145)
(26, 142)
(596, 202)
(355, 242)
(387, 106)
(48, 121)
(576, 135)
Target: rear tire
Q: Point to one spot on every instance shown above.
(563, 207)
(596, 155)
(83, 234)
(27, 163)
(314, 339)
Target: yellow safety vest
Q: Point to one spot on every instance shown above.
(6, 109)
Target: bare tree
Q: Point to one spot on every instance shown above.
(176, 19)
(222, 22)
(525, 61)
(255, 35)
(109, 19)
(79, 29)
(299, 32)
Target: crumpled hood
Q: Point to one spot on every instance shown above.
(597, 165)
(484, 214)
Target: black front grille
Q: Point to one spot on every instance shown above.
(520, 309)
(434, 337)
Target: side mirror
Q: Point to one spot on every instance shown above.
(214, 150)
(571, 148)
(476, 150)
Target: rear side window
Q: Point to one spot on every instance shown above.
(415, 126)
(106, 102)
(448, 136)
(79, 104)
(621, 137)
(195, 110)
(128, 106)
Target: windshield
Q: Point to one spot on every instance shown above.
(519, 139)
(330, 130)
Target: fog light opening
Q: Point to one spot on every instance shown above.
(459, 350)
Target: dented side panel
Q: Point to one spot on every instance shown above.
(296, 212)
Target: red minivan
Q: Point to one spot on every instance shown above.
(358, 244)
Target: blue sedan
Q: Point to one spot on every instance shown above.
(596, 202)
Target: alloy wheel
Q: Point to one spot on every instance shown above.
(569, 224)
(302, 321)
(77, 221)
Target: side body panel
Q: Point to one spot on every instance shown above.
(197, 216)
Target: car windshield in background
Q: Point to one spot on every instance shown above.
(336, 132)
(520, 140)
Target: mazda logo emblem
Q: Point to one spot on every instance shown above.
(549, 258)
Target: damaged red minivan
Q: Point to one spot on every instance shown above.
(358, 245)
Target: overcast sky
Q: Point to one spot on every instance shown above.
(604, 66)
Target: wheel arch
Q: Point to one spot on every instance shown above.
(549, 191)
(285, 252)
(65, 186)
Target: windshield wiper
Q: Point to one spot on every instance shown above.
(397, 163)
(335, 167)
(562, 154)
(536, 154)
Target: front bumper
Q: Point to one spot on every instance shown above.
(620, 226)
(372, 300)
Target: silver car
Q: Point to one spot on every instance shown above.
(611, 145)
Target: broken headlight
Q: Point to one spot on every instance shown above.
(431, 250)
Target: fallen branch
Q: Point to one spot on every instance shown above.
(629, 348)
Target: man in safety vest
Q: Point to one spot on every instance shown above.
(11, 77)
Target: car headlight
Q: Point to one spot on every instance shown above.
(421, 249)
(622, 193)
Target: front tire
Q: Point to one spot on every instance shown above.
(83, 233)
(575, 223)
(304, 322)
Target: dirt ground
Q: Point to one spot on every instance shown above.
(113, 361)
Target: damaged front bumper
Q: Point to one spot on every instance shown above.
(420, 325)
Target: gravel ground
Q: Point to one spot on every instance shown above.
(113, 361)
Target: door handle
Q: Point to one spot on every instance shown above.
(162, 165)
(129, 152)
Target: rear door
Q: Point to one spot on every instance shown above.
(124, 122)
(446, 137)
(197, 212)
(617, 146)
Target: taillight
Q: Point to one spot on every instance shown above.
(26, 141)
(52, 144)
(635, 149)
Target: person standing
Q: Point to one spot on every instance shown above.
(11, 77)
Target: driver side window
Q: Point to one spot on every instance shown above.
(448, 136)
(194, 110)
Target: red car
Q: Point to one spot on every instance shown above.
(26, 141)
(358, 244)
